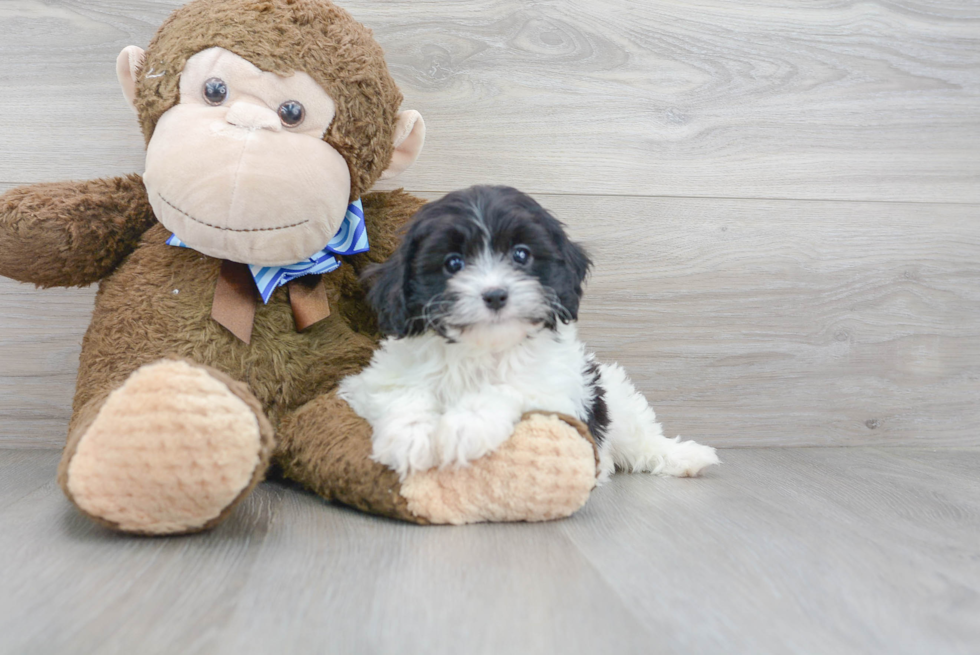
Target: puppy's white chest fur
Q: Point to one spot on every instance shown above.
(543, 370)
(436, 403)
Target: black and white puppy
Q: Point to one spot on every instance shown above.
(479, 304)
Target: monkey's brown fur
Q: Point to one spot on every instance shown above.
(154, 300)
(71, 234)
(157, 304)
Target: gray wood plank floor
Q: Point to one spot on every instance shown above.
(808, 550)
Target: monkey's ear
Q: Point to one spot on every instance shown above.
(409, 137)
(127, 65)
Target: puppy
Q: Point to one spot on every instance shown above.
(479, 305)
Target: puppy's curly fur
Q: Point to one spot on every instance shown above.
(480, 303)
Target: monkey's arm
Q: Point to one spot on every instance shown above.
(71, 233)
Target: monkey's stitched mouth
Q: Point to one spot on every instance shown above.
(231, 229)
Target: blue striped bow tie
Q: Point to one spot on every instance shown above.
(350, 239)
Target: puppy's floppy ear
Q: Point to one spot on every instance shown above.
(567, 278)
(577, 260)
(387, 293)
(577, 266)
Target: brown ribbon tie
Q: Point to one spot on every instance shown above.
(235, 299)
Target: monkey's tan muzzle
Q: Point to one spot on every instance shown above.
(242, 188)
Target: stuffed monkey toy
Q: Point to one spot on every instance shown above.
(229, 305)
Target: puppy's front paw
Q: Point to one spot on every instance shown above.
(463, 436)
(405, 443)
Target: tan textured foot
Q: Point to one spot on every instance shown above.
(170, 451)
(546, 470)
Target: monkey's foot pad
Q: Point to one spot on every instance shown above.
(546, 470)
(172, 450)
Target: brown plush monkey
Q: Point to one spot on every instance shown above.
(264, 121)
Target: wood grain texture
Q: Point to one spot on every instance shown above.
(40, 340)
(790, 323)
(763, 99)
(827, 99)
(745, 322)
(845, 550)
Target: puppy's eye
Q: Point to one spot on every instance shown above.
(454, 264)
(291, 113)
(521, 255)
(215, 91)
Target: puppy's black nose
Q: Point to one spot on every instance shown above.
(495, 298)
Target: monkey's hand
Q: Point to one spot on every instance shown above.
(71, 233)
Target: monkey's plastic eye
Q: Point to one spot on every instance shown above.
(215, 91)
(291, 113)
(521, 255)
(454, 264)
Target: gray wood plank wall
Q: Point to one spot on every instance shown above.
(783, 199)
